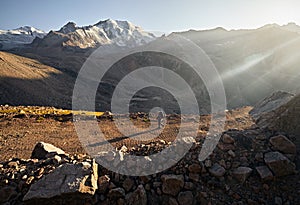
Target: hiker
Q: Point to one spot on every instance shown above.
(160, 117)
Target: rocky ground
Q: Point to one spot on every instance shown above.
(249, 166)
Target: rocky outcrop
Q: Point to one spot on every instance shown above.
(285, 118)
(270, 103)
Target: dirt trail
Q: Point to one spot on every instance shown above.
(19, 134)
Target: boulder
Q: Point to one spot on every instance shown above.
(172, 184)
(283, 144)
(44, 150)
(217, 170)
(242, 173)
(76, 181)
(279, 164)
(138, 197)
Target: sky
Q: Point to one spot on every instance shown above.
(152, 15)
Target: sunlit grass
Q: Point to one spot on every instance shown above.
(49, 111)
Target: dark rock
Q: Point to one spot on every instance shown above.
(7, 193)
(225, 147)
(172, 184)
(279, 164)
(283, 144)
(168, 200)
(264, 173)
(278, 201)
(227, 139)
(116, 193)
(103, 183)
(138, 197)
(195, 168)
(217, 170)
(128, 184)
(185, 198)
(242, 173)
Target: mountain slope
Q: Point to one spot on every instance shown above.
(28, 82)
(17, 37)
(252, 63)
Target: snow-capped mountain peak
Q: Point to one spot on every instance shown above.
(68, 28)
(121, 33)
(19, 36)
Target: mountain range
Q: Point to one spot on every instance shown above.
(253, 63)
(70, 35)
(18, 37)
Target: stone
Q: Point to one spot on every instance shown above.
(116, 193)
(6, 193)
(185, 198)
(189, 185)
(217, 170)
(225, 147)
(30, 180)
(259, 157)
(279, 164)
(72, 180)
(231, 153)
(138, 197)
(57, 159)
(172, 184)
(103, 183)
(264, 172)
(227, 139)
(242, 173)
(44, 150)
(283, 144)
(195, 168)
(278, 201)
(172, 201)
(167, 200)
(208, 163)
(128, 184)
(13, 165)
(194, 176)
